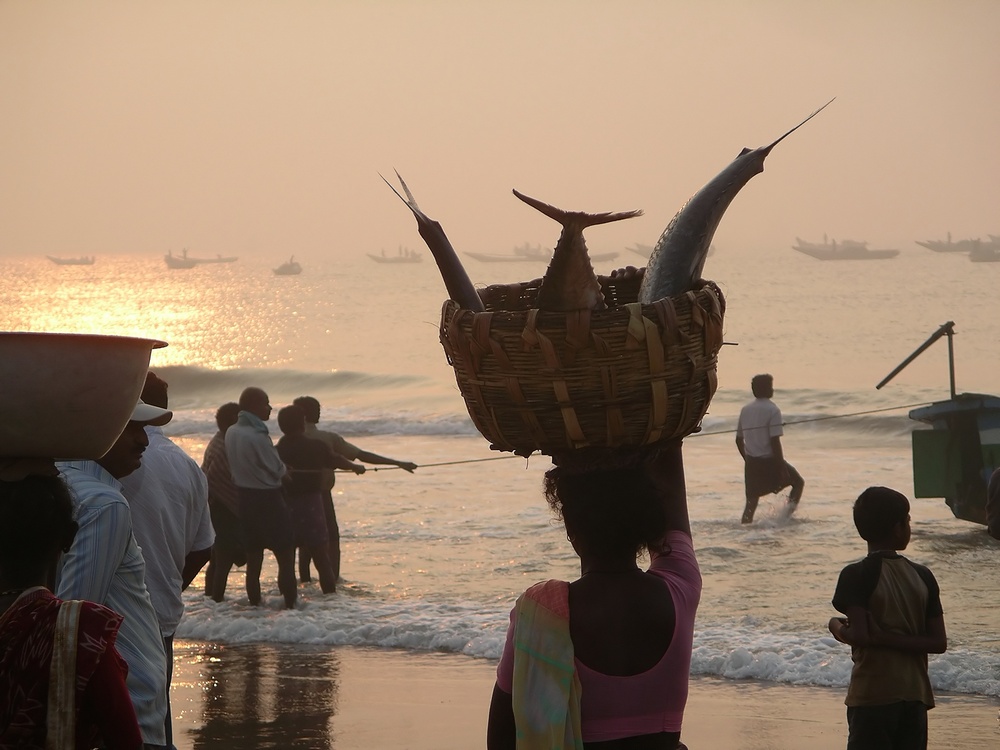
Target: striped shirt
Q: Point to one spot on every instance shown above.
(104, 565)
(215, 464)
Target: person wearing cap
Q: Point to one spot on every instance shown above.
(168, 497)
(105, 565)
(259, 474)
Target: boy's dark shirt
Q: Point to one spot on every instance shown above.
(901, 596)
(304, 458)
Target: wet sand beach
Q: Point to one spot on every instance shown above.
(346, 698)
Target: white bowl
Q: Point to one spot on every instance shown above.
(68, 395)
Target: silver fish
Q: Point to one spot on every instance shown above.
(456, 280)
(679, 256)
(570, 282)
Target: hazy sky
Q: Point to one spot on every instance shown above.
(259, 128)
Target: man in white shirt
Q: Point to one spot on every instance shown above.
(258, 474)
(758, 439)
(168, 498)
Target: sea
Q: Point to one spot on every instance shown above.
(432, 561)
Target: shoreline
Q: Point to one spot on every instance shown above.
(270, 695)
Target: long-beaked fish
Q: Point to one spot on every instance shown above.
(679, 256)
(456, 280)
(570, 282)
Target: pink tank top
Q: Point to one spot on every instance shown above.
(652, 701)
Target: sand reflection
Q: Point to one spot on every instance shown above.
(266, 696)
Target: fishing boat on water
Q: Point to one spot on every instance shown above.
(842, 250)
(527, 253)
(404, 255)
(954, 458)
(179, 261)
(986, 252)
(291, 267)
(85, 260)
(522, 254)
(947, 246)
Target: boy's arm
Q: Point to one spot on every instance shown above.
(935, 641)
(853, 629)
(858, 629)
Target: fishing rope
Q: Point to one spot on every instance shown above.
(692, 435)
(823, 418)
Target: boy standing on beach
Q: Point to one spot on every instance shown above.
(894, 619)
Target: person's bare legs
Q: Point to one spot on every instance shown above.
(321, 557)
(750, 509)
(217, 574)
(255, 561)
(797, 484)
(287, 584)
(305, 557)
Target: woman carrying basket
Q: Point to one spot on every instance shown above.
(603, 661)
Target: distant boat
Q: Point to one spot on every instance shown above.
(986, 252)
(522, 254)
(81, 261)
(290, 268)
(843, 250)
(179, 261)
(947, 246)
(405, 255)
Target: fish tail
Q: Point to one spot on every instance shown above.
(576, 218)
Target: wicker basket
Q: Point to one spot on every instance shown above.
(553, 382)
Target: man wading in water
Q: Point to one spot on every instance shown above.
(758, 439)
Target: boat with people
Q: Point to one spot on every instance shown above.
(947, 246)
(842, 250)
(85, 260)
(404, 255)
(291, 267)
(179, 261)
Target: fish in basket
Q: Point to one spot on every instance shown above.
(575, 360)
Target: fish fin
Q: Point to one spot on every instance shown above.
(581, 219)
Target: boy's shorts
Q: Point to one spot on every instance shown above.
(902, 726)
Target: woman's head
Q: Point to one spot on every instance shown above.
(607, 511)
(36, 523)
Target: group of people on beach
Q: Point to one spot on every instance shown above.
(277, 497)
(95, 556)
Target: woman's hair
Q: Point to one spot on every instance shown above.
(36, 521)
(877, 511)
(610, 510)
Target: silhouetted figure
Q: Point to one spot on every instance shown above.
(758, 439)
